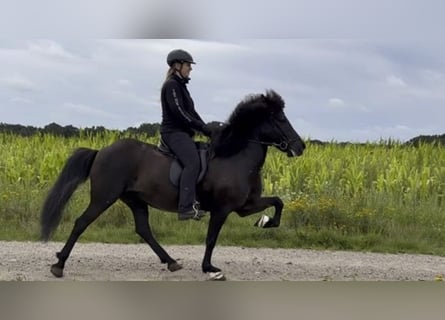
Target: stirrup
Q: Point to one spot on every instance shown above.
(198, 213)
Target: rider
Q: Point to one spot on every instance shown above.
(180, 121)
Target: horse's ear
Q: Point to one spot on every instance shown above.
(270, 94)
(275, 98)
(265, 98)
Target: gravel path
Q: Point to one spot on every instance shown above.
(30, 261)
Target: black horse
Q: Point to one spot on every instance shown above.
(138, 174)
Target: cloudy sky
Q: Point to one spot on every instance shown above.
(340, 87)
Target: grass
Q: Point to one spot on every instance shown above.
(381, 197)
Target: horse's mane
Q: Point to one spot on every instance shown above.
(253, 110)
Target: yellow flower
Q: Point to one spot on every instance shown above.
(438, 277)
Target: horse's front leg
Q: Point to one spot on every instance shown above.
(259, 204)
(217, 219)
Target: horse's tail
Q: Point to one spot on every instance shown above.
(76, 170)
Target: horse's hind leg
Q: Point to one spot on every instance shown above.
(94, 210)
(140, 213)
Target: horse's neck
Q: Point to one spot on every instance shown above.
(249, 156)
(253, 156)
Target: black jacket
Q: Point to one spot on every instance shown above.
(178, 109)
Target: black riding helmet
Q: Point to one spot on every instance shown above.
(180, 56)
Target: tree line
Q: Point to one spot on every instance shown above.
(438, 139)
(149, 129)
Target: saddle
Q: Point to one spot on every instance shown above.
(176, 167)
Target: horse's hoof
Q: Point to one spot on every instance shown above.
(57, 271)
(174, 266)
(262, 222)
(216, 276)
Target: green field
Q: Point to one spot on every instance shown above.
(383, 196)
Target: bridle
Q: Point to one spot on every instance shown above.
(283, 145)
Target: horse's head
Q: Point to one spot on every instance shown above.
(258, 118)
(276, 130)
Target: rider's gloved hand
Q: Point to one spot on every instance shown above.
(206, 130)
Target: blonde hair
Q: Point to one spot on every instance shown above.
(170, 72)
(175, 67)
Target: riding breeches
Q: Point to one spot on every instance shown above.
(183, 146)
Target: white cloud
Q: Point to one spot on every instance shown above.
(375, 133)
(401, 127)
(21, 100)
(124, 82)
(116, 83)
(88, 110)
(165, 45)
(363, 109)
(432, 75)
(394, 81)
(50, 49)
(336, 103)
(130, 98)
(19, 83)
